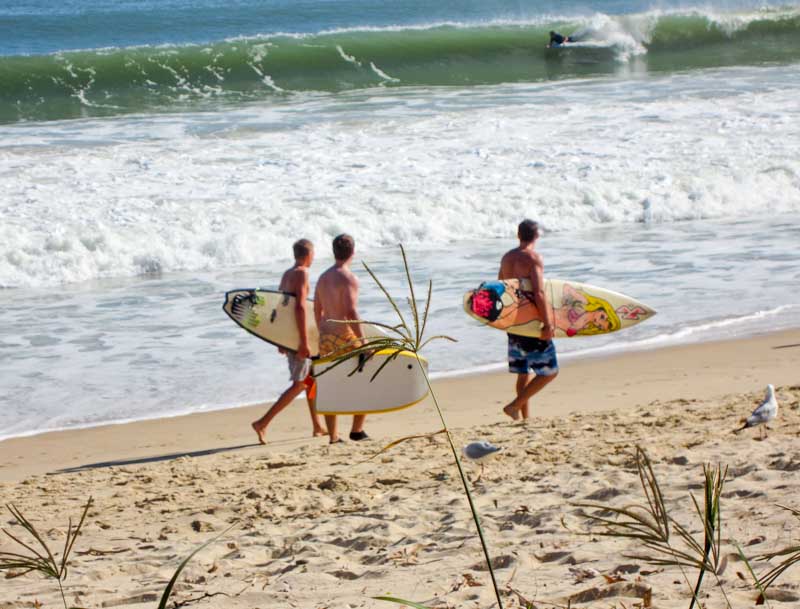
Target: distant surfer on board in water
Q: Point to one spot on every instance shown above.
(526, 354)
(556, 39)
(295, 281)
(336, 298)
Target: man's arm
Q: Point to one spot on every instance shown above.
(301, 295)
(540, 298)
(502, 274)
(318, 311)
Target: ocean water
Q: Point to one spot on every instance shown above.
(155, 155)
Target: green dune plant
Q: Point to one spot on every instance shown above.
(409, 335)
(667, 542)
(37, 555)
(39, 558)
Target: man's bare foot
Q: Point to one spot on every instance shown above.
(512, 411)
(319, 432)
(260, 432)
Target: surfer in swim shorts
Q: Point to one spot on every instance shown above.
(295, 281)
(557, 39)
(336, 298)
(529, 355)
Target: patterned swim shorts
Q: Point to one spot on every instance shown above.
(299, 369)
(526, 354)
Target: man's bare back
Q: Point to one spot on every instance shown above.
(336, 298)
(293, 280)
(520, 263)
(337, 293)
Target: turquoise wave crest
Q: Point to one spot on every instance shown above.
(103, 82)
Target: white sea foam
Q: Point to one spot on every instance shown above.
(382, 74)
(346, 57)
(102, 198)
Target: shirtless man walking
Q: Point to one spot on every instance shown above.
(295, 281)
(336, 298)
(525, 354)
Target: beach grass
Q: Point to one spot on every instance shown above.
(665, 541)
(410, 336)
(37, 556)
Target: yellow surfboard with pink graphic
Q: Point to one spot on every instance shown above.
(579, 309)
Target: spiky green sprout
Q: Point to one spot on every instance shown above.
(669, 543)
(38, 557)
(42, 560)
(405, 336)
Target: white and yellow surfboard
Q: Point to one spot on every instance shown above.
(347, 388)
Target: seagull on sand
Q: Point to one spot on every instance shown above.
(766, 412)
(478, 451)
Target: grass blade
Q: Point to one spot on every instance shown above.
(26, 524)
(168, 590)
(38, 556)
(437, 337)
(747, 564)
(400, 601)
(425, 312)
(401, 440)
(70, 541)
(390, 299)
(385, 363)
(413, 300)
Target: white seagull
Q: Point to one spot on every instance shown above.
(766, 411)
(478, 451)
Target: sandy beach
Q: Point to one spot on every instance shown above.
(321, 526)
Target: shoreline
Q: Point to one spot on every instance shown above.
(577, 356)
(586, 384)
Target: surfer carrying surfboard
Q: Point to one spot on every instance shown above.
(295, 281)
(528, 355)
(336, 298)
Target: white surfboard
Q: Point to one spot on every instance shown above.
(347, 389)
(270, 315)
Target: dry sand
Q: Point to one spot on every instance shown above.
(319, 526)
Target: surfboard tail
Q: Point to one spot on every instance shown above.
(350, 389)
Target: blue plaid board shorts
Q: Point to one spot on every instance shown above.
(526, 354)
